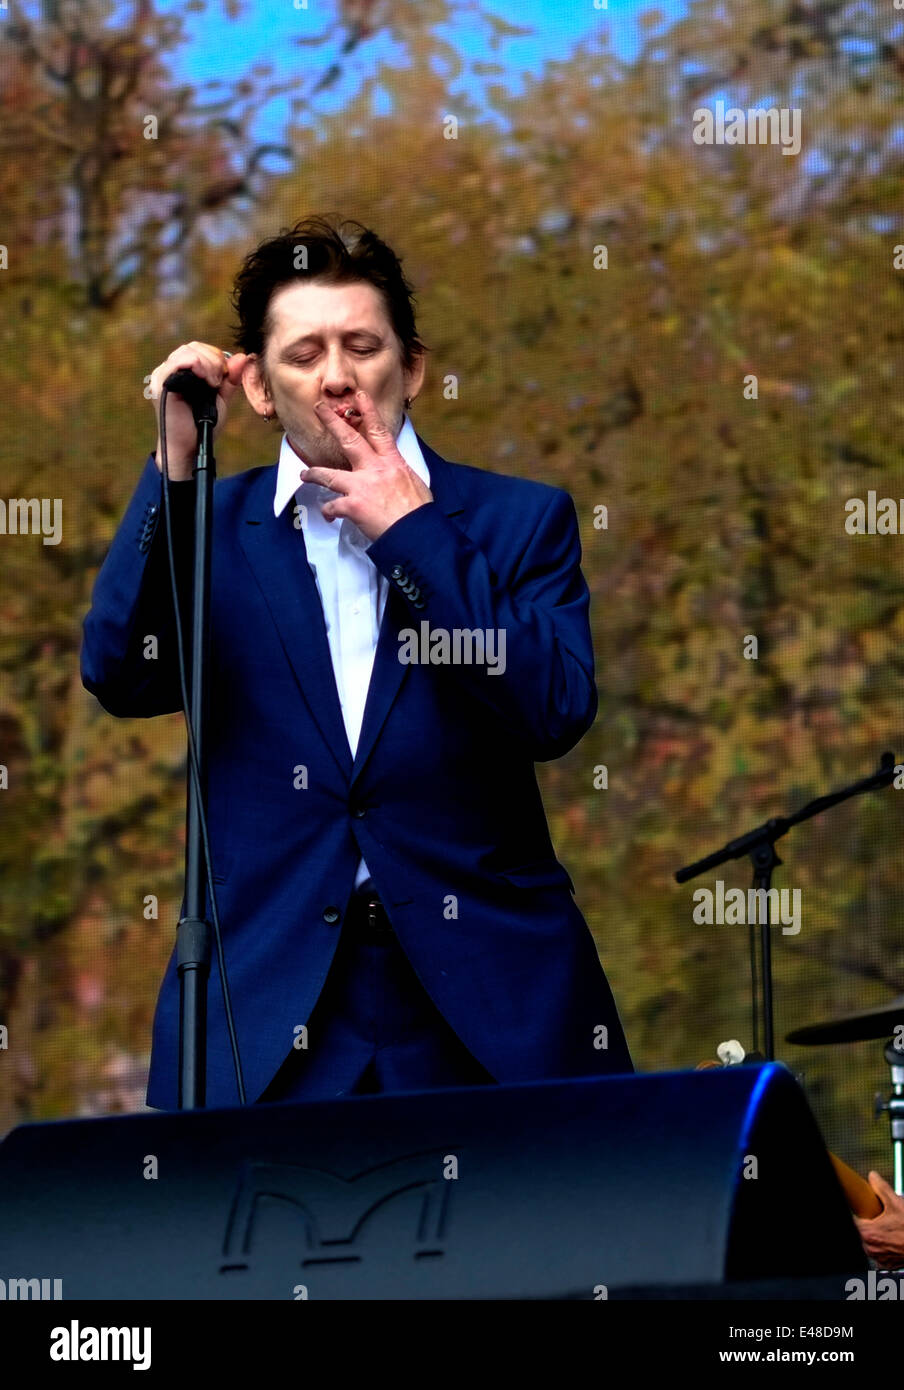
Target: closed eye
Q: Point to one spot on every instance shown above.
(359, 352)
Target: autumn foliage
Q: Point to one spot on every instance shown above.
(629, 383)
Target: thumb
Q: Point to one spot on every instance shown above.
(881, 1187)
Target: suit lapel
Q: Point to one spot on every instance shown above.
(388, 672)
(276, 552)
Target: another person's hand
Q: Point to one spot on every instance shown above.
(210, 363)
(883, 1235)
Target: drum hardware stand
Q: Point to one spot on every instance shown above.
(894, 1107)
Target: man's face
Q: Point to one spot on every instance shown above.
(326, 342)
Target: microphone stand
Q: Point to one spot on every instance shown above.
(759, 844)
(193, 932)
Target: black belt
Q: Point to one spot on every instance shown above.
(367, 920)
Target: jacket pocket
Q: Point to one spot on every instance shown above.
(542, 873)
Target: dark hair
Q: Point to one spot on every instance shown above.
(339, 252)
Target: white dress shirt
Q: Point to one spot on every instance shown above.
(352, 590)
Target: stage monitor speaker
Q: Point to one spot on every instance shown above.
(554, 1189)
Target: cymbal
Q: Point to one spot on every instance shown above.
(870, 1023)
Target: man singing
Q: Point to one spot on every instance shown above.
(395, 641)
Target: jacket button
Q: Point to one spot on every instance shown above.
(359, 812)
(331, 915)
(396, 572)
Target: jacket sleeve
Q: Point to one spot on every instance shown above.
(132, 602)
(543, 687)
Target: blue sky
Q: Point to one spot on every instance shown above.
(224, 49)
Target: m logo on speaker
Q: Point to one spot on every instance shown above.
(328, 1218)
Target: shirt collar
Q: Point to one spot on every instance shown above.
(292, 468)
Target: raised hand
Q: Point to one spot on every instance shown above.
(214, 366)
(379, 488)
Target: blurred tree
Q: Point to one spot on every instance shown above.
(138, 161)
(728, 268)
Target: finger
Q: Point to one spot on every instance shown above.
(234, 367)
(378, 432)
(335, 479)
(206, 363)
(355, 448)
(210, 363)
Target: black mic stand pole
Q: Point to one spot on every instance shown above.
(759, 844)
(193, 933)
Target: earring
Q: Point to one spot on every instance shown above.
(407, 402)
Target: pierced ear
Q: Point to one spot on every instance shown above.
(252, 382)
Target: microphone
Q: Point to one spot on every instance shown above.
(196, 392)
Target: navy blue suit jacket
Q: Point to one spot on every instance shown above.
(441, 797)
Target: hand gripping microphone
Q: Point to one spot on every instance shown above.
(196, 392)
